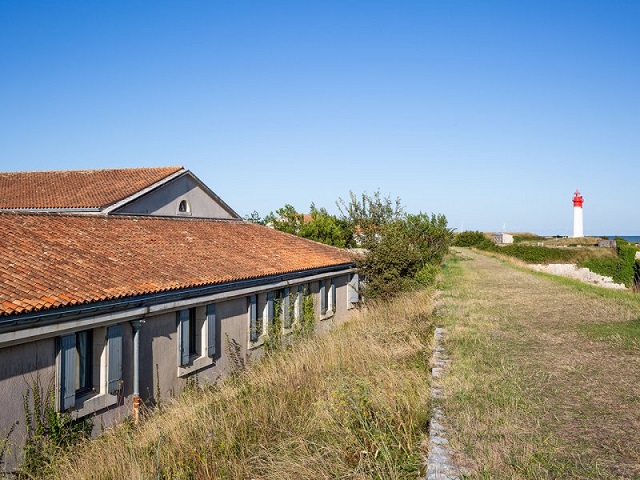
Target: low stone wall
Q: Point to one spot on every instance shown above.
(583, 274)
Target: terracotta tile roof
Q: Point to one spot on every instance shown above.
(55, 260)
(76, 188)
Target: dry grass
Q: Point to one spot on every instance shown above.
(532, 391)
(353, 403)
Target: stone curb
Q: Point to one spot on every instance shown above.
(439, 465)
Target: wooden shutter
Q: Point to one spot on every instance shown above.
(253, 318)
(67, 394)
(323, 298)
(354, 287)
(211, 330)
(183, 337)
(114, 358)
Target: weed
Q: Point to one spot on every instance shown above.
(48, 432)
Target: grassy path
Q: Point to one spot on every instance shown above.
(545, 379)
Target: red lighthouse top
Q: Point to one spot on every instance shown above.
(577, 199)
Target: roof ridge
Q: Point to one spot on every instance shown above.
(168, 167)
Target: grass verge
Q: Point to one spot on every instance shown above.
(353, 403)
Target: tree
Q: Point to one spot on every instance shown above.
(286, 219)
(324, 228)
(254, 217)
(365, 215)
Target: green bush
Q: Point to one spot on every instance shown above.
(623, 269)
(534, 254)
(526, 237)
(427, 275)
(471, 239)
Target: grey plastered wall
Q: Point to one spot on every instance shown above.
(20, 366)
(159, 350)
(165, 200)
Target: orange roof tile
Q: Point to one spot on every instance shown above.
(55, 260)
(76, 188)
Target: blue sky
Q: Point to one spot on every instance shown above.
(490, 112)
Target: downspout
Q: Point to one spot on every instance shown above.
(136, 324)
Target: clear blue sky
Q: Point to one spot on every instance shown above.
(489, 112)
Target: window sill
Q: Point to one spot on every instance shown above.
(328, 315)
(198, 363)
(91, 403)
(258, 343)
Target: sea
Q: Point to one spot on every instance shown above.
(628, 238)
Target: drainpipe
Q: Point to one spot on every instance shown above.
(136, 324)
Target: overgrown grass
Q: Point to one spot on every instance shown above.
(353, 403)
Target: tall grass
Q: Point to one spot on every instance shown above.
(353, 403)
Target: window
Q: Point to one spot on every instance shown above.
(89, 369)
(273, 300)
(255, 322)
(84, 362)
(193, 348)
(262, 316)
(197, 336)
(287, 309)
(323, 297)
(332, 295)
(299, 306)
(327, 297)
(184, 208)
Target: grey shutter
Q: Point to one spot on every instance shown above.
(253, 318)
(67, 397)
(183, 336)
(114, 366)
(211, 330)
(333, 296)
(323, 298)
(354, 287)
(286, 303)
(270, 308)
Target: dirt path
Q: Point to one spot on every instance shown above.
(531, 392)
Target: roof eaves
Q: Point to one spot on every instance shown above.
(53, 210)
(24, 319)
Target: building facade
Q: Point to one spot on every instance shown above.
(108, 311)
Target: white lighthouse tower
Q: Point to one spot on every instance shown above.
(577, 214)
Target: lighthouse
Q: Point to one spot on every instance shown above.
(577, 214)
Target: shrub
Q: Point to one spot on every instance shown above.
(470, 239)
(526, 237)
(427, 275)
(534, 254)
(623, 268)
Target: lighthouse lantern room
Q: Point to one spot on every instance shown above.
(577, 214)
